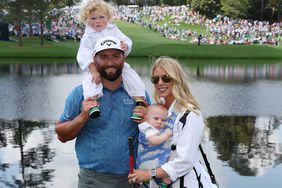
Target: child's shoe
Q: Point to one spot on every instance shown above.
(145, 184)
(163, 185)
(94, 112)
(138, 102)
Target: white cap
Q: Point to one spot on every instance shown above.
(105, 43)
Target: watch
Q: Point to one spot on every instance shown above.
(153, 173)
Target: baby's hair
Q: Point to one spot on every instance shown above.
(156, 105)
(93, 5)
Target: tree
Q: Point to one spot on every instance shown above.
(15, 8)
(276, 9)
(71, 2)
(235, 9)
(41, 9)
(121, 2)
(209, 8)
(35, 157)
(3, 6)
(28, 5)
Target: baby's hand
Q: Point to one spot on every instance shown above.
(168, 132)
(123, 45)
(96, 77)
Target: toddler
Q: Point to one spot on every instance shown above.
(97, 15)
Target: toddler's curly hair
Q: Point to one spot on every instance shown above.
(93, 5)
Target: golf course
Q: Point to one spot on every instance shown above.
(146, 43)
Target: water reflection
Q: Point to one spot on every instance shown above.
(39, 69)
(219, 72)
(249, 144)
(24, 162)
(239, 72)
(241, 103)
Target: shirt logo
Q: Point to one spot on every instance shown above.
(128, 101)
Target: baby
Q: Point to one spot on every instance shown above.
(153, 134)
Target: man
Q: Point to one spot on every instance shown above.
(102, 143)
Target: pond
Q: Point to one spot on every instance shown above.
(241, 103)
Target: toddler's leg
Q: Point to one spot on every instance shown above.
(134, 87)
(132, 82)
(91, 89)
(95, 111)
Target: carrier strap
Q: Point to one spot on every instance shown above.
(182, 182)
(198, 178)
(208, 165)
(173, 147)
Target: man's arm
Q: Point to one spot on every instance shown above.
(69, 130)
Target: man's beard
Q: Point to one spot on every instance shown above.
(110, 76)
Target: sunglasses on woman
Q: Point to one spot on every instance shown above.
(165, 78)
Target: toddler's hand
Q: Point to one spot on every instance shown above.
(123, 45)
(96, 77)
(168, 132)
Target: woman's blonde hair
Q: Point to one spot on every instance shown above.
(93, 5)
(180, 89)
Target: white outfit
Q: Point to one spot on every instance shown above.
(132, 82)
(187, 154)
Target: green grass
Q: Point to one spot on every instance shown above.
(150, 43)
(32, 49)
(146, 43)
(182, 25)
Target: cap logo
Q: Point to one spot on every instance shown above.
(108, 42)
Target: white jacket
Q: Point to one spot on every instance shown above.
(187, 155)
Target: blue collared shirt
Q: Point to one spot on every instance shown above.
(102, 144)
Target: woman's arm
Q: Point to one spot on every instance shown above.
(144, 175)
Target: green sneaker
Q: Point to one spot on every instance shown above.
(138, 102)
(136, 117)
(94, 112)
(163, 185)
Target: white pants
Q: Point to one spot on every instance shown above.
(131, 80)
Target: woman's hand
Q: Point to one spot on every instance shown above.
(139, 176)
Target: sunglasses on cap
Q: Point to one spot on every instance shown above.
(165, 78)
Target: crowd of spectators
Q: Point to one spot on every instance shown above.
(61, 24)
(169, 21)
(219, 30)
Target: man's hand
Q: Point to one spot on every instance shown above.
(87, 104)
(140, 111)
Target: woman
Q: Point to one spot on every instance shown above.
(171, 89)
